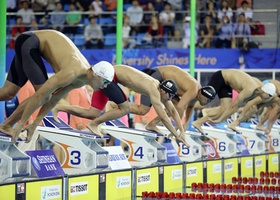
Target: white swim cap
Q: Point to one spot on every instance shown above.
(104, 69)
(269, 88)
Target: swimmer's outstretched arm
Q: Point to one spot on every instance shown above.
(273, 116)
(233, 107)
(113, 114)
(249, 109)
(184, 105)
(174, 114)
(46, 108)
(155, 100)
(264, 116)
(78, 111)
(59, 80)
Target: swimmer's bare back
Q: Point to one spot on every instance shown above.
(136, 80)
(239, 80)
(59, 51)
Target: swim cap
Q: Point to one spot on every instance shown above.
(169, 86)
(209, 92)
(269, 88)
(104, 69)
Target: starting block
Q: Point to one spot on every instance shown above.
(273, 136)
(13, 162)
(82, 152)
(225, 143)
(256, 141)
(144, 149)
(197, 149)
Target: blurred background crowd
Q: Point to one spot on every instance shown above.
(146, 24)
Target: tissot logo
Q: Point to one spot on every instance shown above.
(79, 188)
(144, 179)
(192, 171)
(228, 166)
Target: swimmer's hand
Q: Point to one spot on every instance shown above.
(182, 137)
(17, 131)
(55, 111)
(30, 129)
(179, 138)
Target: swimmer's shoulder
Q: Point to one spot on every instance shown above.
(48, 34)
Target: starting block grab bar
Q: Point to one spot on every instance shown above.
(144, 149)
(82, 152)
(13, 162)
(256, 139)
(225, 144)
(273, 136)
(196, 151)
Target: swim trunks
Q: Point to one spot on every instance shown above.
(27, 63)
(218, 83)
(155, 73)
(112, 92)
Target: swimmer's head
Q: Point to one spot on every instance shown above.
(208, 94)
(104, 69)
(269, 88)
(170, 87)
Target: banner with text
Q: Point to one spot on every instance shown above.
(205, 58)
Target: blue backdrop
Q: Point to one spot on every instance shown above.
(205, 58)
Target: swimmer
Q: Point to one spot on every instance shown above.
(159, 94)
(223, 81)
(189, 92)
(257, 104)
(71, 70)
(272, 113)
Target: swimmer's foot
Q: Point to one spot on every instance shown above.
(260, 127)
(8, 130)
(197, 126)
(94, 129)
(150, 127)
(233, 126)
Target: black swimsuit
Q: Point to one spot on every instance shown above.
(27, 63)
(218, 83)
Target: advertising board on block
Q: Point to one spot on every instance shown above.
(246, 164)
(83, 187)
(230, 169)
(194, 173)
(119, 185)
(147, 180)
(273, 162)
(260, 164)
(214, 171)
(173, 178)
(44, 189)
